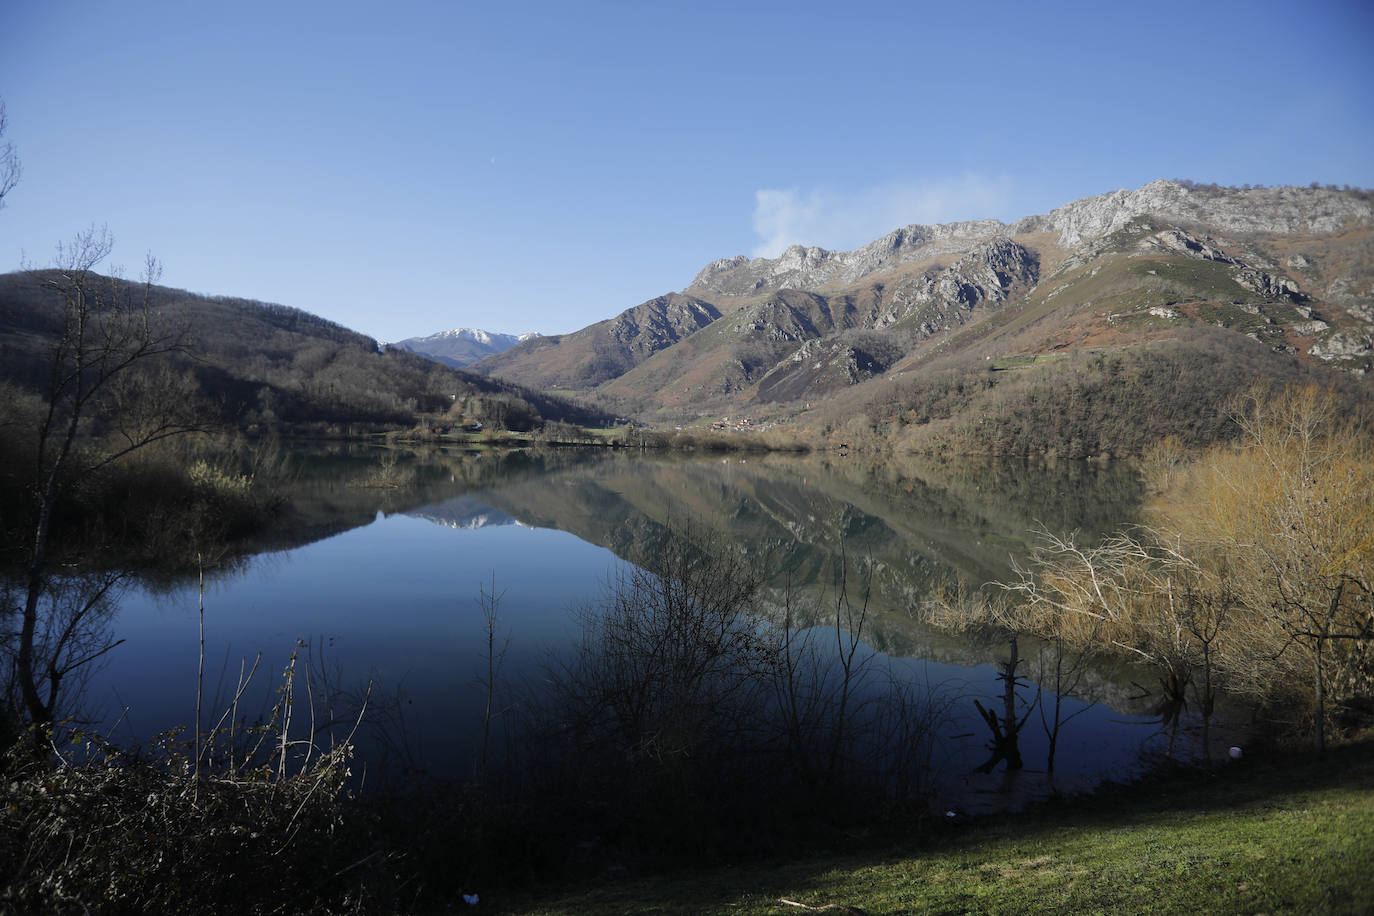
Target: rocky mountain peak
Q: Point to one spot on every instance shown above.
(1245, 210)
(810, 267)
(1241, 210)
(660, 322)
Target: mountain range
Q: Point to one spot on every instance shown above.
(1174, 279)
(1096, 329)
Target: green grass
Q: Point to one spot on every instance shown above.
(614, 432)
(1232, 316)
(1292, 837)
(1022, 361)
(1195, 278)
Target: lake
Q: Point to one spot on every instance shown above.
(384, 585)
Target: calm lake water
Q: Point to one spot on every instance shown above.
(382, 585)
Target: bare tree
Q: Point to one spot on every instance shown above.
(10, 166)
(1260, 565)
(670, 663)
(1134, 595)
(995, 615)
(1006, 729)
(108, 395)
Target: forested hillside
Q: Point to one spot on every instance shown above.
(265, 366)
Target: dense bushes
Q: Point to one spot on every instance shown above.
(1256, 576)
(122, 834)
(157, 508)
(236, 818)
(1085, 404)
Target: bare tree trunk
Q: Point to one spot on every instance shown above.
(24, 663)
(1006, 731)
(39, 713)
(1207, 703)
(1320, 687)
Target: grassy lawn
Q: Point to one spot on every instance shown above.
(1291, 836)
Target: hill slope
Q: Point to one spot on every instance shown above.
(262, 364)
(604, 350)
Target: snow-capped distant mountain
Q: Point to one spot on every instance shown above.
(461, 346)
(464, 513)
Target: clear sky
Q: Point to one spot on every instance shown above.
(408, 167)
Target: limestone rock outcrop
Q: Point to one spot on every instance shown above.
(1241, 210)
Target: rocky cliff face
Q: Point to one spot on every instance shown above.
(811, 268)
(1258, 210)
(819, 368)
(938, 300)
(805, 345)
(604, 350)
(793, 316)
(659, 323)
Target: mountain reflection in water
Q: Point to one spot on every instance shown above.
(383, 584)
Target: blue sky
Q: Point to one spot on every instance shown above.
(404, 168)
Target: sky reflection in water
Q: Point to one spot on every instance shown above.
(396, 601)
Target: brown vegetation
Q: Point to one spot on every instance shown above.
(1256, 575)
(1285, 522)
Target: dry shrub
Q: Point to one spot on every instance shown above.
(131, 835)
(1259, 566)
(236, 818)
(1287, 517)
